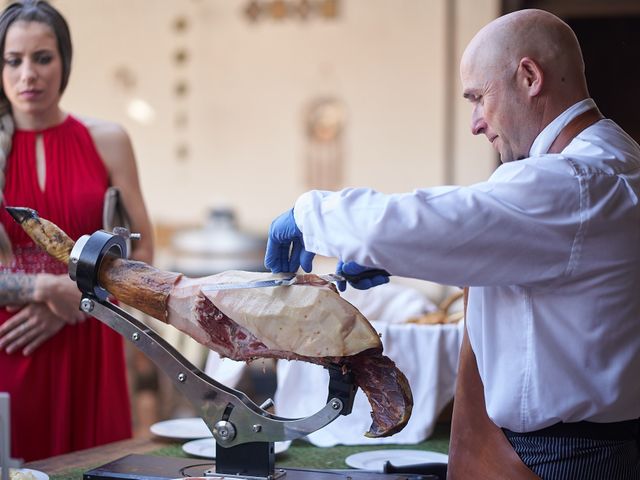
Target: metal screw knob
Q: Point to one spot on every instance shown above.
(336, 405)
(125, 233)
(182, 377)
(86, 305)
(224, 432)
(268, 403)
(135, 336)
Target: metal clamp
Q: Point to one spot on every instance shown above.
(87, 255)
(213, 401)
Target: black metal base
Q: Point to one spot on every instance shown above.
(254, 459)
(148, 467)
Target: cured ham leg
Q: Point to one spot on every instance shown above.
(308, 321)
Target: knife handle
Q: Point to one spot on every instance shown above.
(438, 470)
(369, 273)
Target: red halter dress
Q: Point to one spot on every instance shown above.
(71, 393)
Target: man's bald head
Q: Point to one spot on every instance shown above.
(520, 72)
(536, 34)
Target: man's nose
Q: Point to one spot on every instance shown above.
(478, 125)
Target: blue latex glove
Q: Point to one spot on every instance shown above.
(285, 248)
(373, 276)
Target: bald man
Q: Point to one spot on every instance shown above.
(550, 245)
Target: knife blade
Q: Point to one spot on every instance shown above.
(276, 282)
(294, 279)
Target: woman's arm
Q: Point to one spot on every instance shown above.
(42, 304)
(114, 146)
(58, 292)
(16, 288)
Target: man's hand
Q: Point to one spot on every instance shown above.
(366, 277)
(285, 247)
(29, 328)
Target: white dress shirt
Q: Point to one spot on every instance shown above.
(551, 248)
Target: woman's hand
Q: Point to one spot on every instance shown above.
(61, 295)
(29, 328)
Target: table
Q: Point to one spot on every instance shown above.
(300, 454)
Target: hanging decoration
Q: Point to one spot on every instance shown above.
(325, 119)
(257, 10)
(180, 58)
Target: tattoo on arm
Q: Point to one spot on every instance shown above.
(16, 288)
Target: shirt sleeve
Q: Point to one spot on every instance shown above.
(522, 226)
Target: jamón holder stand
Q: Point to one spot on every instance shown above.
(243, 431)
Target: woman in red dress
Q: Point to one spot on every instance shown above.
(65, 373)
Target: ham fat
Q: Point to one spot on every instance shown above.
(308, 321)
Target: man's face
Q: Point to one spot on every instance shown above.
(498, 111)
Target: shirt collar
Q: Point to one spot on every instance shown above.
(546, 137)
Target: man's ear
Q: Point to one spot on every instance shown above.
(530, 76)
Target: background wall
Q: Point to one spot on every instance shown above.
(235, 135)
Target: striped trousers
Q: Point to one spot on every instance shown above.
(558, 457)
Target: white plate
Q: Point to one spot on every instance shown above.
(375, 459)
(206, 447)
(36, 473)
(182, 428)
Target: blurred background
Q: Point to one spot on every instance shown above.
(236, 107)
(245, 104)
(241, 103)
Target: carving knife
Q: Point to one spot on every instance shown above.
(294, 279)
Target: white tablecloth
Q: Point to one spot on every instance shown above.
(426, 354)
